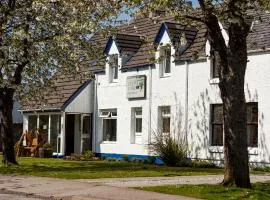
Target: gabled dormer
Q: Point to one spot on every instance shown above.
(113, 60)
(172, 41)
(119, 49)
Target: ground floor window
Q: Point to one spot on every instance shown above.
(136, 125)
(49, 127)
(109, 124)
(217, 124)
(165, 119)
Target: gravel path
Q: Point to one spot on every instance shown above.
(34, 188)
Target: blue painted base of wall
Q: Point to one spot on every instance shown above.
(156, 160)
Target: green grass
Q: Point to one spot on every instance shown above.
(260, 191)
(97, 169)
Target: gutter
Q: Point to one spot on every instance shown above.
(94, 131)
(150, 105)
(186, 102)
(41, 110)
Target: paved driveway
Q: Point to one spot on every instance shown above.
(27, 187)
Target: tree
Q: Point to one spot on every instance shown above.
(37, 39)
(232, 62)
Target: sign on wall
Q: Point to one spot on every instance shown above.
(136, 86)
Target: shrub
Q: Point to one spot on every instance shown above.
(88, 155)
(125, 158)
(169, 150)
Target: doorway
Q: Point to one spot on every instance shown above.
(70, 119)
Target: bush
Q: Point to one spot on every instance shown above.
(125, 158)
(170, 151)
(88, 155)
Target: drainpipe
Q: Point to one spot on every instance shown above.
(94, 130)
(186, 102)
(150, 105)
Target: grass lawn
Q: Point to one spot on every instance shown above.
(259, 191)
(97, 169)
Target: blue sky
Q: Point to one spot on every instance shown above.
(126, 16)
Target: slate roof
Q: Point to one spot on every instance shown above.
(259, 37)
(137, 39)
(57, 97)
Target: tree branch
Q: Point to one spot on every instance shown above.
(195, 18)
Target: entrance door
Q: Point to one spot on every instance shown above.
(86, 135)
(70, 119)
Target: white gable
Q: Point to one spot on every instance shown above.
(165, 39)
(113, 49)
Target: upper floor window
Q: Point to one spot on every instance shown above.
(214, 65)
(217, 124)
(165, 63)
(113, 67)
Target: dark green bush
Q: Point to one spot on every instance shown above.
(169, 150)
(125, 158)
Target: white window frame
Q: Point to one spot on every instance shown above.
(136, 137)
(163, 61)
(106, 114)
(164, 115)
(137, 116)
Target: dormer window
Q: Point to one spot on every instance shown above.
(165, 63)
(214, 65)
(113, 67)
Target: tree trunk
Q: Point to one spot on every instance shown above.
(6, 125)
(232, 61)
(231, 85)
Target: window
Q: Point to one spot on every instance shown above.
(113, 67)
(138, 120)
(165, 61)
(165, 122)
(252, 124)
(217, 125)
(109, 124)
(136, 125)
(214, 64)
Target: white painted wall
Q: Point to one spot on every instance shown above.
(202, 93)
(16, 115)
(171, 91)
(113, 95)
(84, 102)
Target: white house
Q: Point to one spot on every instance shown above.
(133, 97)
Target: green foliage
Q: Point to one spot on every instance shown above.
(88, 155)
(47, 146)
(125, 158)
(169, 150)
(259, 191)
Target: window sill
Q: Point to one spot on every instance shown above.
(165, 76)
(214, 81)
(253, 150)
(216, 149)
(114, 81)
(108, 142)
